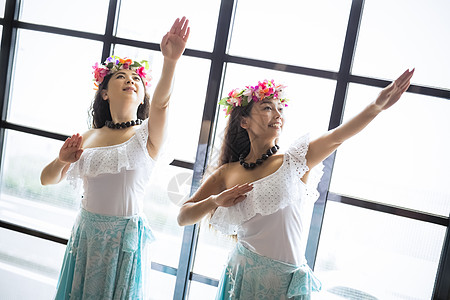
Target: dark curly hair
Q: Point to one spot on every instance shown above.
(99, 111)
(236, 140)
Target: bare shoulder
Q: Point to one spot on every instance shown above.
(88, 133)
(87, 136)
(230, 175)
(219, 175)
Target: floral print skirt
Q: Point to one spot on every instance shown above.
(105, 258)
(249, 275)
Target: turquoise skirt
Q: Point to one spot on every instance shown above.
(249, 275)
(105, 258)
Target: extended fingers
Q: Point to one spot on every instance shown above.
(403, 76)
(407, 81)
(243, 188)
(186, 35)
(66, 143)
(404, 79)
(239, 199)
(178, 25)
(174, 26)
(74, 141)
(404, 86)
(181, 28)
(185, 29)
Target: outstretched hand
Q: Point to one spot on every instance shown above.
(71, 149)
(392, 93)
(174, 42)
(233, 196)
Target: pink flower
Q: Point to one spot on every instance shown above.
(234, 101)
(99, 73)
(234, 93)
(141, 72)
(248, 93)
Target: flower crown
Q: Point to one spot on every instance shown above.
(114, 63)
(242, 97)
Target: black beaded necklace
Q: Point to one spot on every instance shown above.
(112, 125)
(271, 151)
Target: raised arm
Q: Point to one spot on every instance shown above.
(209, 196)
(70, 152)
(323, 146)
(172, 47)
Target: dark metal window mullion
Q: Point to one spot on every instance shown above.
(337, 113)
(7, 52)
(110, 28)
(189, 243)
(442, 284)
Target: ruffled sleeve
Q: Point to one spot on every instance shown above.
(142, 134)
(130, 155)
(298, 165)
(73, 175)
(296, 156)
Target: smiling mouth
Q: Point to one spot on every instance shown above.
(276, 125)
(129, 89)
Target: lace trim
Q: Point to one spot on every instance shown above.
(274, 192)
(112, 159)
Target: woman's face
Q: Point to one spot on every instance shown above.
(265, 119)
(124, 87)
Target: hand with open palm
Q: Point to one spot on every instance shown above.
(71, 149)
(392, 93)
(174, 42)
(233, 195)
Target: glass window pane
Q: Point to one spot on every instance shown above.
(304, 33)
(212, 252)
(401, 158)
(383, 52)
(2, 8)
(67, 14)
(199, 290)
(187, 100)
(376, 255)
(28, 274)
(161, 286)
(158, 17)
(53, 85)
(160, 207)
(24, 200)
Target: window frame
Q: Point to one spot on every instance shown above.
(219, 59)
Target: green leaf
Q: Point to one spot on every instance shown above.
(223, 101)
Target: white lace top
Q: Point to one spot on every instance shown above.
(114, 177)
(274, 220)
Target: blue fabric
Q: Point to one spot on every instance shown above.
(104, 258)
(249, 275)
